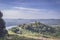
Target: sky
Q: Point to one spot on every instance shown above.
(30, 9)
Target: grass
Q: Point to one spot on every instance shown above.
(26, 34)
(13, 36)
(16, 37)
(27, 37)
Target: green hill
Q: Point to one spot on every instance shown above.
(35, 30)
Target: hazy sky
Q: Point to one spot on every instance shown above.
(30, 9)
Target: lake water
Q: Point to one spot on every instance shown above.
(12, 22)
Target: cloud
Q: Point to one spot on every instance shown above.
(41, 4)
(29, 13)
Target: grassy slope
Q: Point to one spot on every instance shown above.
(28, 35)
(20, 37)
(16, 37)
(24, 37)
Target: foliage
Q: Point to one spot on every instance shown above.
(36, 29)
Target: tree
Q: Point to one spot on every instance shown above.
(3, 30)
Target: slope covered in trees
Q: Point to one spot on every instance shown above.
(36, 29)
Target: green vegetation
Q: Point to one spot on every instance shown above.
(34, 31)
(16, 37)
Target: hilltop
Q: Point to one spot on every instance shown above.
(35, 30)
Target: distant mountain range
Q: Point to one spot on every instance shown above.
(12, 22)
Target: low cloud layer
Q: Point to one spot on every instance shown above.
(29, 13)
